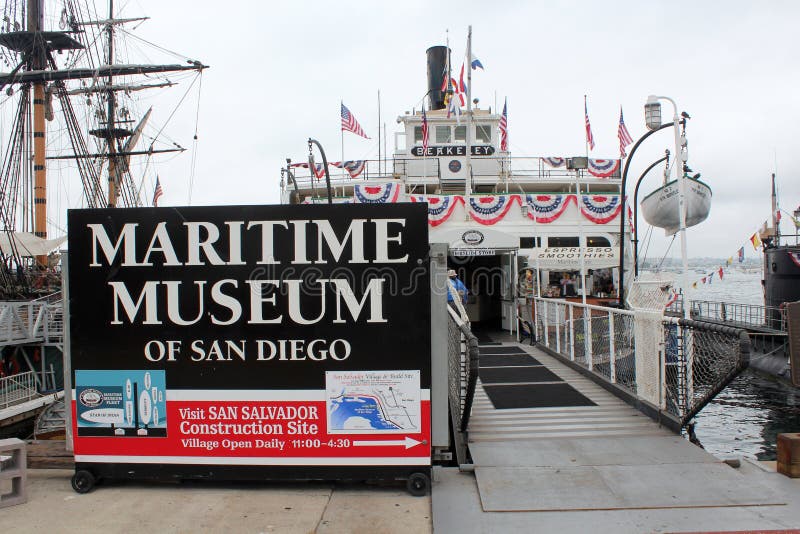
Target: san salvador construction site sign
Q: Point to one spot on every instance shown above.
(251, 335)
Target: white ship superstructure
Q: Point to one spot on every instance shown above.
(499, 214)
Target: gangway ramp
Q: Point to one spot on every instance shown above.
(563, 454)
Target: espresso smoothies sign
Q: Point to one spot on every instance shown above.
(251, 336)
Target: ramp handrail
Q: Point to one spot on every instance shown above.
(463, 358)
(735, 314)
(18, 388)
(31, 321)
(667, 367)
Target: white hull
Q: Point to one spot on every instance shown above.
(660, 208)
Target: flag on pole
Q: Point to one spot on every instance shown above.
(504, 128)
(424, 134)
(625, 138)
(462, 86)
(454, 108)
(589, 136)
(741, 254)
(476, 63)
(350, 124)
(720, 273)
(158, 192)
(755, 241)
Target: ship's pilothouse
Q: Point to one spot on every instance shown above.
(501, 216)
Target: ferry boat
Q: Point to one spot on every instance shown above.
(500, 215)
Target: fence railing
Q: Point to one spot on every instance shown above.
(735, 314)
(463, 359)
(668, 367)
(18, 388)
(31, 321)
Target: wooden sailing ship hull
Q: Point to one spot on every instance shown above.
(660, 208)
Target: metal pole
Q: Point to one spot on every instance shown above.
(680, 176)
(324, 166)
(469, 118)
(621, 290)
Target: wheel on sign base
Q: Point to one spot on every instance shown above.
(83, 481)
(418, 484)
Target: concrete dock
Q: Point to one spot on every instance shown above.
(215, 507)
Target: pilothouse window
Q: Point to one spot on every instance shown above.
(417, 135)
(442, 134)
(483, 133)
(461, 133)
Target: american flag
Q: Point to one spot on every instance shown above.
(589, 136)
(158, 192)
(424, 134)
(350, 124)
(624, 137)
(504, 128)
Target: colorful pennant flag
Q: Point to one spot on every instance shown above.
(625, 138)
(755, 241)
(741, 254)
(720, 273)
(350, 124)
(476, 63)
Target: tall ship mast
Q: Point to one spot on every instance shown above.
(74, 110)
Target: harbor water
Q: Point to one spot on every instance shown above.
(745, 419)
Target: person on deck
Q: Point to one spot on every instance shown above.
(459, 285)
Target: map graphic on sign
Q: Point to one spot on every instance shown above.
(373, 402)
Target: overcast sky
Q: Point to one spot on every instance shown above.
(279, 70)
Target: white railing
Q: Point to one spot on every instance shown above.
(672, 365)
(17, 389)
(31, 322)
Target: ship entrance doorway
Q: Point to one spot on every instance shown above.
(491, 286)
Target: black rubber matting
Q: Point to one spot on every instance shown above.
(508, 375)
(502, 350)
(535, 396)
(501, 360)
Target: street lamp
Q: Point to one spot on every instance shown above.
(652, 113)
(311, 165)
(622, 188)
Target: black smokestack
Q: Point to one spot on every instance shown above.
(437, 63)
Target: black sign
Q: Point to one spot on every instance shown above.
(251, 335)
(250, 296)
(454, 150)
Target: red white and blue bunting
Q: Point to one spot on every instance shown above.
(547, 208)
(795, 256)
(489, 210)
(603, 168)
(440, 208)
(376, 194)
(319, 169)
(555, 162)
(353, 167)
(600, 209)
